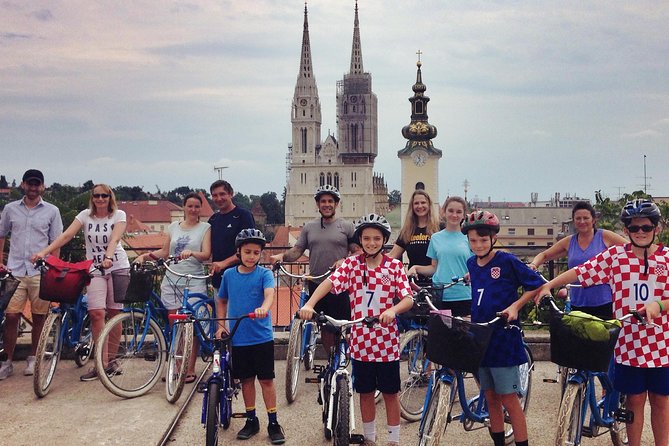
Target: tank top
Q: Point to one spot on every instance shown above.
(595, 295)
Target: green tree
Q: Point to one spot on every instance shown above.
(177, 195)
(242, 201)
(130, 193)
(395, 198)
(272, 207)
(3, 182)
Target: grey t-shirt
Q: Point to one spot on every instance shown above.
(326, 244)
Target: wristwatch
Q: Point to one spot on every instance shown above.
(109, 258)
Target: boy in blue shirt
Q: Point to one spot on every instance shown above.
(249, 288)
(495, 278)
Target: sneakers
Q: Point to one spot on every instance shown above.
(276, 434)
(6, 370)
(251, 428)
(30, 367)
(91, 375)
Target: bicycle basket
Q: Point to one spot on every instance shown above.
(572, 347)
(140, 286)
(63, 281)
(457, 344)
(7, 288)
(120, 282)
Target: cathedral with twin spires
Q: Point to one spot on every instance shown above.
(345, 161)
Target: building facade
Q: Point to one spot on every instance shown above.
(345, 161)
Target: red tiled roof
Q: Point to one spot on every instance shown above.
(149, 211)
(206, 210)
(145, 241)
(135, 225)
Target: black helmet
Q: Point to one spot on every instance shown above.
(373, 221)
(250, 236)
(327, 189)
(640, 208)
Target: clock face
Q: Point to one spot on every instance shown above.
(303, 102)
(419, 158)
(354, 99)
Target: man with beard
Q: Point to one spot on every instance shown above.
(329, 240)
(225, 225)
(33, 224)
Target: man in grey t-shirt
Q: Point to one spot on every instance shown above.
(329, 241)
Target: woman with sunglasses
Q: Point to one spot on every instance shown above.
(584, 244)
(103, 225)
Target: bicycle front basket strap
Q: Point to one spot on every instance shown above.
(64, 281)
(7, 289)
(457, 344)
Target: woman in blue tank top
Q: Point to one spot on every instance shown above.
(584, 244)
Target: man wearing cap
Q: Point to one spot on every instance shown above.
(33, 224)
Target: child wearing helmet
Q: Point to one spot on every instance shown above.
(638, 274)
(495, 277)
(372, 280)
(249, 288)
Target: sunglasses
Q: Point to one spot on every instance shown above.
(636, 228)
(101, 195)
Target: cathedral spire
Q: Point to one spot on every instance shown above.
(356, 50)
(306, 82)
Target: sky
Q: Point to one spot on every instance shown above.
(527, 96)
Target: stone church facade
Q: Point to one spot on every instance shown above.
(345, 161)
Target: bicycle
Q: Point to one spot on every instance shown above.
(67, 325)
(303, 335)
(335, 387)
(8, 285)
(414, 365)
(219, 388)
(459, 346)
(588, 365)
(178, 357)
(141, 350)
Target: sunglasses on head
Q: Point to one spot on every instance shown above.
(101, 195)
(636, 228)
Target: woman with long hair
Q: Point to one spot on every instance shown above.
(103, 225)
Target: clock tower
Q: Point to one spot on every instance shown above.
(419, 158)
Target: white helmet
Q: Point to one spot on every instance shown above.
(327, 189)
(373, 221)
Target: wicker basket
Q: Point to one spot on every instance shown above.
(457, 344)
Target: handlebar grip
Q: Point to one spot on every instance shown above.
(251, 315)
(177, 317)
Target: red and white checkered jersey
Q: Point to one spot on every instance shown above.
(371, 292)
(637, 346)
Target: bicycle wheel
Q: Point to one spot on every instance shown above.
(48, 353)
(341, 414)
(414, 374)
(293, 359)
(136, 360)
(435, 419)
(525, 372)
(213, 412)
(618, 429)
(84, 348)
(230, 391)
(569, 416)
(177, 360)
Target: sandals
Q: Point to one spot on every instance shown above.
(190, 379)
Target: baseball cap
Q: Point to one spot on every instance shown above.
(33, 174)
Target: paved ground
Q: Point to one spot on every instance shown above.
(77, 413)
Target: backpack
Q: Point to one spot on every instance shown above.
(63, 281)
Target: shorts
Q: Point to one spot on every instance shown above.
(337, 306)
(457, 307)
(501, 380)
(100, 294)
(28, 289)
(370, 376)
(249, 361)
(635, 380)
(172, 295)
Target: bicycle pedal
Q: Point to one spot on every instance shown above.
(201, 387)
(586, 431)
(318, 368)
(356, 439)
(239, 415)
(550, 380)
(624, 416)
(311, 380)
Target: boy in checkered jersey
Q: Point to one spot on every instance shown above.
(638, 274)
(372, 280)
(495, 277)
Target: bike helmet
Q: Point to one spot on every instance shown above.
(482, 220)
(640, 208)
(250, 236)
(373, 221)
(327, 189)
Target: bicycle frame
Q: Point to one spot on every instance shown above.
(602, 411)
(72, 317)
(153, 309)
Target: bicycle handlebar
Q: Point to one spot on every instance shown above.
(41, 265)
(171, 259)
(324, 319)
(279, 266)
(190, 318)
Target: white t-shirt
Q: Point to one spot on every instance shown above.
(97, 233)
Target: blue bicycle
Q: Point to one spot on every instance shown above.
(303, 335)
(203, 308)
(137, 338)
(67, 325)
(582, 412)
(219, 388)
(8, 285)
